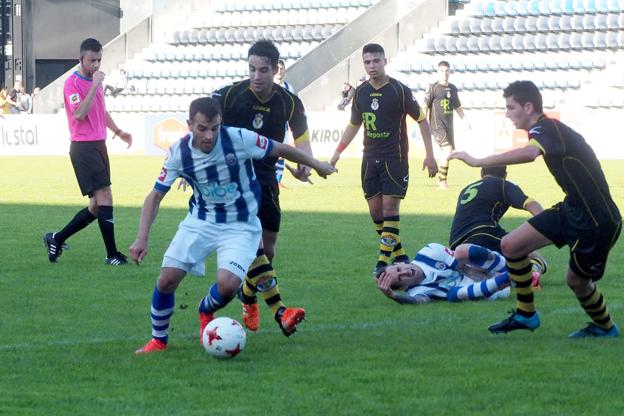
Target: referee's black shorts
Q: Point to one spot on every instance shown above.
(270, 213)
(91, 165)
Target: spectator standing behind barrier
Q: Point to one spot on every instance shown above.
(347, 94)
(440, 101)
(34, 94)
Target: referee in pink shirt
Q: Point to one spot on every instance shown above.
(88, 119)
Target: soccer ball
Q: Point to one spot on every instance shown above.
(224, 338)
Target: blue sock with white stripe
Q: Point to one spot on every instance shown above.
(485, 259)
(213, 300)
(478, 290)
(161, 312)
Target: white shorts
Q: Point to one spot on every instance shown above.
(236, 245)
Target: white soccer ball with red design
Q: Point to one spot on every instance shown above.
(224, 338)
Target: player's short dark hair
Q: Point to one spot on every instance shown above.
(444, 63)
(266, 49)
(498, 171)
(90, 44)
(281, 62)
(525, 92)
(208, 106)
(373, 48)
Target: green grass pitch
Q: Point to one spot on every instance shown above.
(68, 330)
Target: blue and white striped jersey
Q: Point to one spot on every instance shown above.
(224, 183)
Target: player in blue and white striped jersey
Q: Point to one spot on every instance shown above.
(470, 272)
(217, 162)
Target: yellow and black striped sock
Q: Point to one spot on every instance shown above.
(392, 225)
(596, 307)
(540, 263)
(389, 239)
(262, 278)
(271, 295)
(520, 274)
(249, 288)
(442, 172)
(378, 227)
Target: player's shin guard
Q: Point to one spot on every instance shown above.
(486, 259)
(596, 307)
(271, 294)
(161, 312)
(520, 274)
(214, 300)
(478, 290)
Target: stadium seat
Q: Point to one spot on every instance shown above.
(522, 8)
(588, 22)
(567, 7)
(489, 9)
(475, 26)
(575, 41)
(450, 45)
(461, 44)
(494, 43)
(577, 23)
(587, 40)
(600, 40)
(554, 23)
(508, 25)
(510, 8)
(464, 27)
(564, 41)
(612, 21)
(542, 24)
(552, 42)
(506, 44)
(497, 25)
(600, 22)
(612, 42)
(486, 26)
(440, 44)
(484, 45)
(530, 24)
(500, 8)
(517, 42)
(536, 42)
(454, 27)
(590, 6)
(565, 23)
(473, 44)
(533, 8)
(544, 8)
(602, 6)
(579, 6)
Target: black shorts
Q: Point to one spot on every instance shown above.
(589, 245)
(270, 213)
(388, 177)
(443, 138)
(488, 237)
(91, 165)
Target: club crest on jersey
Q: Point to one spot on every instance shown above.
(257, 122)
(262, 142)
(231, 159)
(74, 98)
(163, 174)
(448, 93)
(440, 265)
(375, 104)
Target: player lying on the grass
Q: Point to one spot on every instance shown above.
(470, 272)
(588, 221)
(216, 161)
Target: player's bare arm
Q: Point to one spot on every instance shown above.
(513, 157)
(293, 154)
(302, 172)
(138, 249)
(534, 207)
(85, 106)
(123, 135)
(347, 137)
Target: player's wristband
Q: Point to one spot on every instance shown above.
(341, 147)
